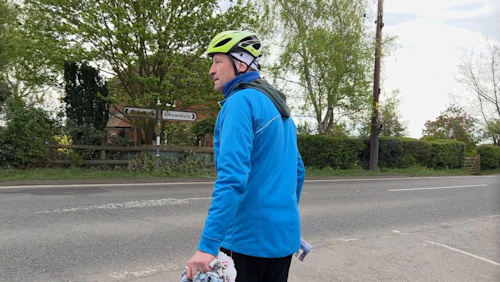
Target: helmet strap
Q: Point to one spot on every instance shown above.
(257, 64)
(236, 72)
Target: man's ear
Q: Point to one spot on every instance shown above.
(242, 67)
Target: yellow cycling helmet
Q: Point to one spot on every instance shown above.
(234, 41)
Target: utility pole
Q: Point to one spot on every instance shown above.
(376, 90)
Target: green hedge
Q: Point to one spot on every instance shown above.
(321, 151)
(344, 153)
(490, 156)
(390, 152)
(416, 153)
(447, 154)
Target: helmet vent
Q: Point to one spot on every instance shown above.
(223, 42)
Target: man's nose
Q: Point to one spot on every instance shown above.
(212, 70)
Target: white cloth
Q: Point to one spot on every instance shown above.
(247, 59)
(223, 270)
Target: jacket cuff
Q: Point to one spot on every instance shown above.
(209, 245)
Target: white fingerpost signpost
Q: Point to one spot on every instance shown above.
(179, 115)
(159, 115)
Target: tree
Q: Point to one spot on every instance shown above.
(479, 73)
(325, 53)
(24, 72)
(152, 48)
(389, 118)
(452, 124)
(86, 105)
(492, 131)
(203, 128)
(7, 17)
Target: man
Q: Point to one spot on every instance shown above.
(254, 216)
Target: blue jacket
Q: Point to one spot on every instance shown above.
(260, 174)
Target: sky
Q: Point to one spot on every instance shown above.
(432, 36)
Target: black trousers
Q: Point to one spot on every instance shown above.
(254, 269)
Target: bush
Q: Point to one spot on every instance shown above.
(390, 152)
(186, 164)
(490, 156)
(407, 153)
(416, 150)
(28, 129)
(321, 151)
(447, 154)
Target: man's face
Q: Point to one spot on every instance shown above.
(222, 70)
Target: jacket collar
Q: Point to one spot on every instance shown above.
(246, 77)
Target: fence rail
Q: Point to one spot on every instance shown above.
(473, 164)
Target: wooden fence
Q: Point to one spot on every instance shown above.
(121, 155)
(473, 164)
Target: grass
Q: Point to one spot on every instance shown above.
(66, 173)
(385, 172)
(89, 173)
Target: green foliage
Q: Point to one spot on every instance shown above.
(325, 46)
(7, 17)
(154, 49)
(452, 124)
(346, 153)
(28, 129)
(322, 151)
(202, 128)
(415, 153)
(86, 107)
(5, 92)
(389, 118)
(407, 153)
(490, 156)
(447, 154)
(186, 164)
(85, 99)
(493, 131)
(180, 134)
(24, 67)
(390, 152)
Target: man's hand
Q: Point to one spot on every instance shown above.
(199, 262)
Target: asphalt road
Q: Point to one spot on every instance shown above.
(383, 229)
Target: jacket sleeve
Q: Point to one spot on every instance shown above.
(236, 134)
(301, 174)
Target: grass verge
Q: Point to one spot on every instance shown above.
(385, 172)
(66, 174)
(89, 173)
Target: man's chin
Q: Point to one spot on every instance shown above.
(219, 89)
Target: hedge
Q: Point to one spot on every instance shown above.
(490, 156)
(321, 151)
(447, 154)
(345, 153)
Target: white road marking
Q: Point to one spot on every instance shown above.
(347, 239)
(127, 205)
(396, 231)
(436, 188)
(465, 253)
(212, 182)
(149, 271)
